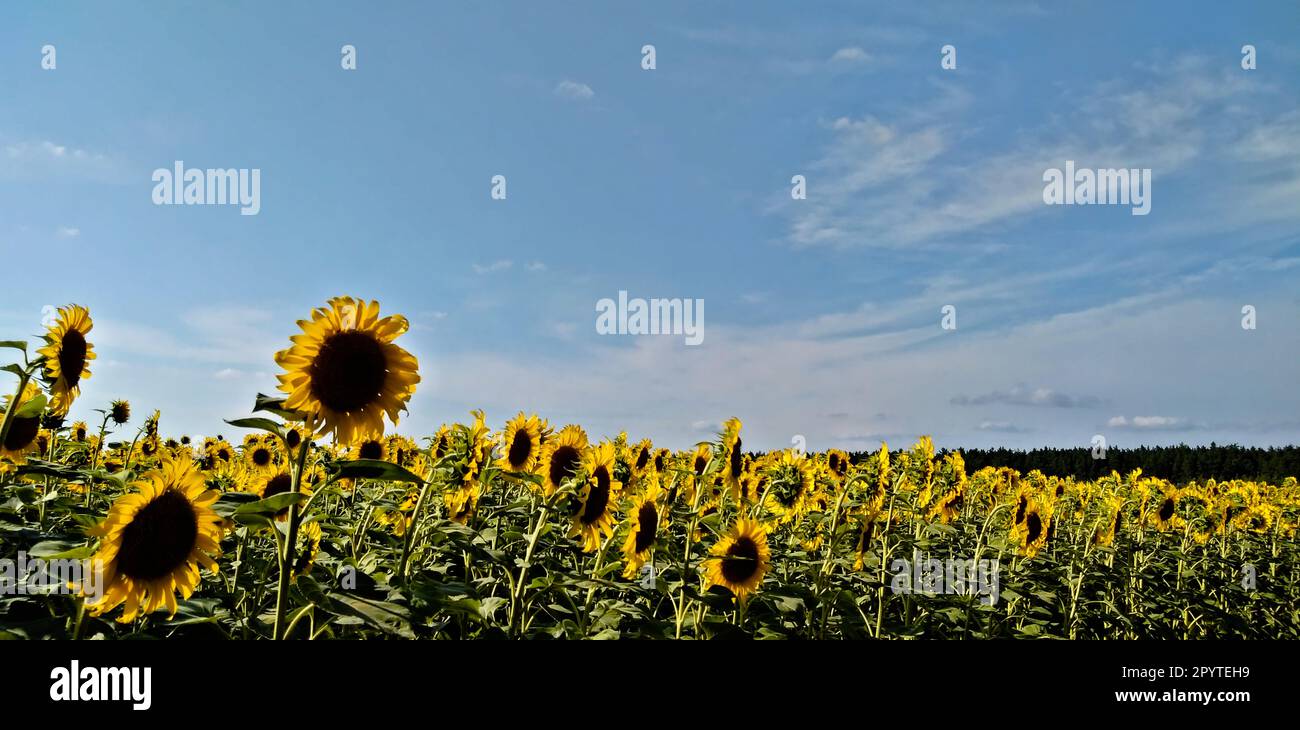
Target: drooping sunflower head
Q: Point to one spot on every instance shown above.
(78, 432)
(562, 458)
(67, 353)
(733, 455)
(521, 444)
(154, 540)
(344, 372)
(25, 426)
(308, 548)
(119, 412)
(740, 559)
(593, 518)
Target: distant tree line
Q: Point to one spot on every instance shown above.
(1177, 464)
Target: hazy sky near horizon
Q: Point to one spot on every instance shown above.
(822, 316)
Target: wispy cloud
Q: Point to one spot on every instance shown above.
(499, 265)
(574, 90)
(1021, 395)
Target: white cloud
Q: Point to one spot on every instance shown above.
(500, 265)
(851, 54)
(67, 232)
(537, 266)
(1149, 422)
(573, 90)
(912, 179)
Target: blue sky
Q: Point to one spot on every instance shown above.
(822, 315)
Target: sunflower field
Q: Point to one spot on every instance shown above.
(319, 521)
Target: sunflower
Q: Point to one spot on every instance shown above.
(260, 456)
(78, 432)
(733, 457)
(866, 534)
(373, 448)
(562, 457)
(24, 430)
(521, 444)
(593, 520)
(1032, 534)
(837, 464)
(789, 486)
(740, 559)
(308, 548)
(1165, 511)
(120, 411)
(345, 373)
(1104, 533)
(643, 522)
(66, 355)
(153, 541)
(218, 454)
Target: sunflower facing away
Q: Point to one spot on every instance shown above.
(521, 444)
(594, 519)
(67, 352)
(345, 373)
(740, 559)
(154, 540)
(733, 457)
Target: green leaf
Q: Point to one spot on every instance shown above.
(55, 549)
(264, 424)
(276, 405)
(232, 501)
(373, 469)
(32, 408)
(271, 505)
(15, 369)
(15, 344)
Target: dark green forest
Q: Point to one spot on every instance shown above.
(1178, 464)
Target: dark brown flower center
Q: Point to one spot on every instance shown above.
(22, 432)
(371, 450)
(72, 356)
(737, 459)
(564, 464)
(642, 458)
(741, 561)
(597, 496)
(159, 538)
(647, 524)
(349, 371)
(1167, 509)
(278, 484)
(261, 456)
(521, 447)
(1033, 527)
